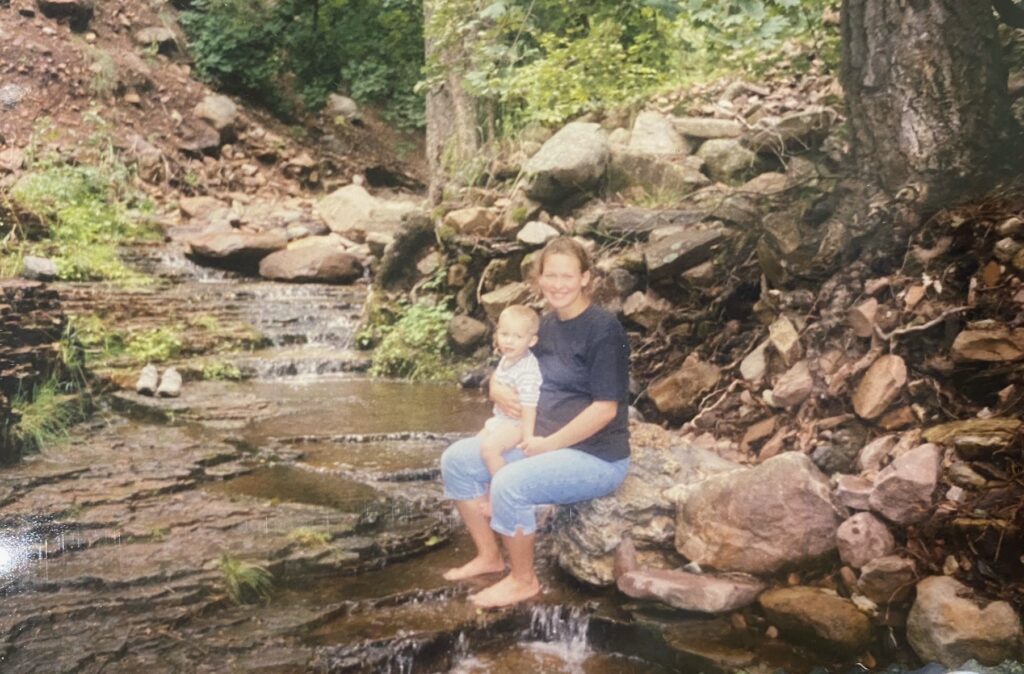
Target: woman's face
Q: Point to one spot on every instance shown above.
(562, 284)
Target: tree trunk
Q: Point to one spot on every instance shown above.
(452, 137)
(926, 97)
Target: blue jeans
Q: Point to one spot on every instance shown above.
(562, 476)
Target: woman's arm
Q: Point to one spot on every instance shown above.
(505, 398)
(592, 419)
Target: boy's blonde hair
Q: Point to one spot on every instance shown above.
(521, 312)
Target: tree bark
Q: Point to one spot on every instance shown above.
(452, 135)
(926, 97)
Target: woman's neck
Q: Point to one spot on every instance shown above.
(573, 310)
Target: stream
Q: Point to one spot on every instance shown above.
(115, 544)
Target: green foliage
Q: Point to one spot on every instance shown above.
(285, 52)
(86, 210)
(155, 345)
(245, 583)
(44, 413)
(416, 345)
(550, 60)
(309, 538)
(221, 371)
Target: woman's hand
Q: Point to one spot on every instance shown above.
(538, 445)
(506, 399)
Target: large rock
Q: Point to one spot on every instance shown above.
(793, 386)
(887, 580)
(221, 113)
(236, 250)
(645, 309)
(819, 617)
(863, 538)
(638, 223)
(994, 345)
(39, 268)
(466, 333)
(654, 134)
(312, 263)
(664, 180)
(976, 439)
(705, 593)
(77, 13)
(196, 137)
(570, 162)
(881, 385)
(949, 624)
(726, 160)
(903, 490)
(776, 515)
(352, 207)
(678, 252)
(341, 106)
(495, 301)
(795, 131)
(853, 491)
(473, 220)
(679, 392)
(586, 544)
(707, 127)
(536, 233)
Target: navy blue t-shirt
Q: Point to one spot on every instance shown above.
(584, 359)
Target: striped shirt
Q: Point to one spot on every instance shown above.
(524, 377)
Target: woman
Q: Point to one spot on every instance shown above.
(580, 448)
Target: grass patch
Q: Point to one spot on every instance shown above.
(309, 538)
(416, 346)
(245, 583)
(221, 371)
(156, 345)
(44, 414)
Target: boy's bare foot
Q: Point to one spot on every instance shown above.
(507, 591)
(478, 566)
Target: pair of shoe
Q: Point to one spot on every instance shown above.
(150, 383)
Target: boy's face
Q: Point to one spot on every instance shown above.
(514, 337)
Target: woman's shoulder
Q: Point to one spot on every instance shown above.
(600, 319)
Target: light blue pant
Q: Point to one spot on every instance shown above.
(562, 476)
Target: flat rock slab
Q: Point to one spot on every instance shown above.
(818, 617)
(679, 252)
(703, 593)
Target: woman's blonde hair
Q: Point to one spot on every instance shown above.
(564, 245)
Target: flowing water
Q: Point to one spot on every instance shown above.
(117, 547)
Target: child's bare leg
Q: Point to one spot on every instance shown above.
(495, 441)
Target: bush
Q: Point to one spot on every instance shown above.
(416, 346)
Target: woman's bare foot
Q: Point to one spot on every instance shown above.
(478, 566)
(507, 591)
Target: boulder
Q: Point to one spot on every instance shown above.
(819, 617)
(586, 546)
(572, 161)
(785, 339)
(948, 623)
(796, 131)
(887, 580)
(853, 491)
(994, 345)
(707, 127)
(201, 207)
(975, 439)
(726, 160)
(676, 253)
(679, 392)
(876, 452)
(722, 202)
(474, 220)
(237, 250)
(196, 137)
(879, 386)
(160, 38)
(495, 301)
(312, 263)
(766, 185)
(39, 268)
(653, 134)
(77, 13)
(863, 538)
(704, 593)
(221, 113)
(466, 333)
(536, 233)
(341, 106)
(794, 386)
(352, 207)
(632, 223)
(903, 490)
(661, 178)
(775, 515)
(645, 309)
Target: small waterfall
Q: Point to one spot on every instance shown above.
(562, 629)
